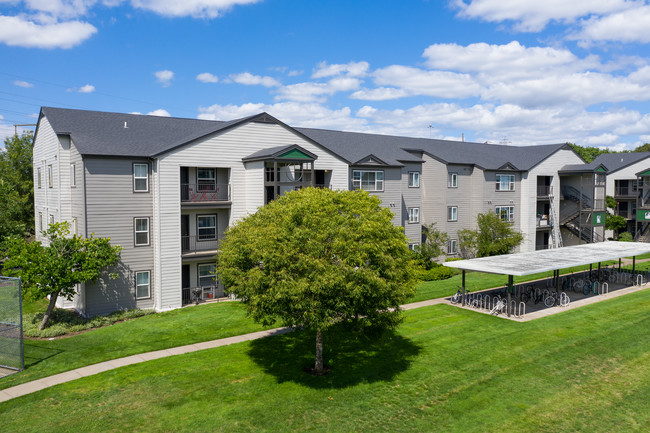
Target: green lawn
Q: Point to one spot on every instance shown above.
(445, 369)
(144, 334)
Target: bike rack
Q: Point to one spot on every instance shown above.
(564, 299)
(604, 289)
(595, 288)
(639, 280)
(522, 310)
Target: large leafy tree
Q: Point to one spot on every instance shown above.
(16, 187)
(317, 257)
(55, 268)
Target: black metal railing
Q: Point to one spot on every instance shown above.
(204, 192)
(204, 293)
(191, 244)
(544, 190)
(624, 191)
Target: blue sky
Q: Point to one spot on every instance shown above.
(504, 71)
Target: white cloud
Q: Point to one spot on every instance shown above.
(21, 32)
(533, 16)
(159, 112)
(164, 77)
(308, 115)
(248, 79)
(24, 84)
(630, 25)
(414, 81)
(194, 8)
(507, 61)
(352, 69)
(379, 94)
(88, 88)
(207, 77)
(317, 92)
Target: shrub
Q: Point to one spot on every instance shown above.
(436, 273)
(64, 322)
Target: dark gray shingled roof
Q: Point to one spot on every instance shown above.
(355, 146)
(617, 161)
(103, 134)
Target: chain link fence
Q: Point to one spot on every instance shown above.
(11, 325)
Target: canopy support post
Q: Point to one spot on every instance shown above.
(463, 287)
(633, 263)
(598, 271)
(509, 293)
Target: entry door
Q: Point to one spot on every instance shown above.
(185, 276)
(185, 233)
(185, 180)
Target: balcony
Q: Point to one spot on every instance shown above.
(195, 246)
(625, 192)
(544, 222)
(205, 193)
(544, 191)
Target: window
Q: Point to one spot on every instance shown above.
(51, 219)
(207, 275)
(73, 227)
(141, 231)
(507, 213)
(452, 180)
(206, 179)
(50, 176)
(40, 222)
(142, 285)
(414, 215)
(414, 246)
(368, 180)
(414, 179)
(452, 213)
(505, 182)
(38, 177)
(141, 177)
(206, 227)
(73, 175)
(452, 246)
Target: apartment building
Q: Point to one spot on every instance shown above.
(165, 189)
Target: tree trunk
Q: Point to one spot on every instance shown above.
(318, 366)
(48, 312)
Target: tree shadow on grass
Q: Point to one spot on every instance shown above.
(353, 357)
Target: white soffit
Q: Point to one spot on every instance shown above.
(548, 260)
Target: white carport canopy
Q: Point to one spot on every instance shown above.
(552, 259)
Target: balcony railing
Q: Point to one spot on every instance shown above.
(194, 244)
(204, 192)
(544, 190)
(622, 191)
(544, 222)
(192, 295)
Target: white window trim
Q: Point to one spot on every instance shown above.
(50, 176)
(413, 246)
(73, 175)
(135, 232)
(358, 183)
(146, 177)
(414, 215)
(415, 177)
(38, 175)
(452, 180)
(40, 222)
(148, 285)
(216, 234)
(452, 246)
(510, 215)
(511, 182)
(450, 217)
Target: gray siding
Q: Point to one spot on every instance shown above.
(411, 198)
(112, 206)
